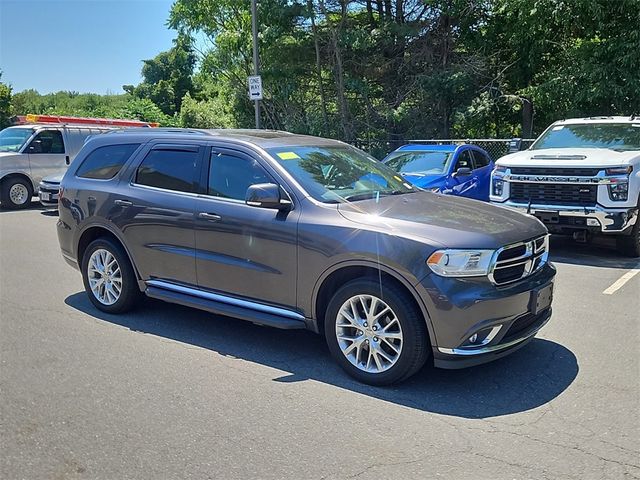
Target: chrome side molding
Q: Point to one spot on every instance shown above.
(217, 297)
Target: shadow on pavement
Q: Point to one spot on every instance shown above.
(529, 378)
(601, 252)
(35, 205)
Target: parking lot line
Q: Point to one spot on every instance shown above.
(618, 284)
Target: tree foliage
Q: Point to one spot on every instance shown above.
(388, 70)
(421, 68)
(167, 77)
(5, 103)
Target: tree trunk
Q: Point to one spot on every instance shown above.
(314, 32)
(380, 9)
(399, 11)
(339, 73)
(387, 9)
(527, 118)
(369, 12)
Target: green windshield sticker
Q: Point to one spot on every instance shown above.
(288, 155)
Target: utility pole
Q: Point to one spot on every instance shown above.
(256, 67)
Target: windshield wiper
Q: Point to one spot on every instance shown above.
(375, 194)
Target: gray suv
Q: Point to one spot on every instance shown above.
(294, 231)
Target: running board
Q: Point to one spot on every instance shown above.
(228, 306)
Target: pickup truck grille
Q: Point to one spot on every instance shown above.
(518, 261)
(568, 172)
(554, 193)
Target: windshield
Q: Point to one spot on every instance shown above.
(615, 136)
(421, 163)
(338, 174)
(12, 139)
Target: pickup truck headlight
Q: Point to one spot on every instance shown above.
(497, 185)
(619, 192)
(460, 263)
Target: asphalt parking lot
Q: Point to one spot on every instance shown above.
(169, 392)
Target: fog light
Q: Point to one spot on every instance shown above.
(473, 338)
(593, 222)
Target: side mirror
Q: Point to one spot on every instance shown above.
(515, 145)
(266, 195)
(462, 172)
(35, 147)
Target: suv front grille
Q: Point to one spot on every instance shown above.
(554, 193)
(518, 261)
(553, 171)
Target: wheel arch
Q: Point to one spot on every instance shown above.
(21, 175)
(333, 278)
(93, 232)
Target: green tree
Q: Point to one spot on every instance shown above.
(5, 104)
(167, 77)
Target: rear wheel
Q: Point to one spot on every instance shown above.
(108, 277)
(16, 193)
(376, 333)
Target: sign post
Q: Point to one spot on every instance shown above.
(255, 79)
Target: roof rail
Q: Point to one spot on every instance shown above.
(163, 130)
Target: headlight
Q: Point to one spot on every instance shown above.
(619, 192)
(460, 263)
(497, 186)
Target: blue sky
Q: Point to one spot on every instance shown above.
(80, 45)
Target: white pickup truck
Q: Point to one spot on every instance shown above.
(580, 177)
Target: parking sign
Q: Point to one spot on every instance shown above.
(255, 87)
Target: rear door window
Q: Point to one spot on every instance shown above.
(480, 159)
(105, 162)
(170, 169)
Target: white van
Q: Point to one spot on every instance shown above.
(43, 145)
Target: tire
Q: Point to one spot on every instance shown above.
(16, 193)
(114, 300)
(629, 245)
(408, 353)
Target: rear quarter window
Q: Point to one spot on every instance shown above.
(105, 162)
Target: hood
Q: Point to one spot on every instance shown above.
(10, 154)
(444, 220)
(57, 178)
(593, 157)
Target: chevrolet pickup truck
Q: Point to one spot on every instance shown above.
(580, 177)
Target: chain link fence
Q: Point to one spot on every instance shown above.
(496, 147)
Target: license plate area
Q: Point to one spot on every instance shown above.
(541, 299)
(45, 196)
(548, 217)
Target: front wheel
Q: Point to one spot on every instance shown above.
(375, 332)
(16, 193)
(629, 245)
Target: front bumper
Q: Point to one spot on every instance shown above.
(609, 220)
(505, 318)
(48, 194)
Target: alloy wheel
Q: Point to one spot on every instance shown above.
(369, 333)
(105, 277)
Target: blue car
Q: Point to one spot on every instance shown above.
(463, 170)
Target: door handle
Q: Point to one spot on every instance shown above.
(123, 203)
(210, 216)
(66, 160)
